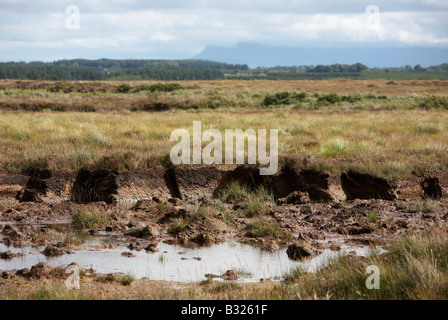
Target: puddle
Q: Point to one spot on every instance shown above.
(169, 265)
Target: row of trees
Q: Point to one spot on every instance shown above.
(49, 72)
(114, 65)
(357, 67)
(108, 69)
(166, 73)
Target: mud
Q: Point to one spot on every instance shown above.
(364, 186)
(155, 208)
(198, 183)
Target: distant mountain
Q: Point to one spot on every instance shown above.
(256, 55)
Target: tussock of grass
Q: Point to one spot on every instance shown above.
(258, 203)
(255, 203)
(178, 225)
(127, 279)
(87, 219)
(372, 216)
(260, 229)
(425, 206)
(234, 192)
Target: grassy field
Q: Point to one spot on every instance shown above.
(388, 129)
(389, 143)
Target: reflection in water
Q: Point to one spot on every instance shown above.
(177, 263)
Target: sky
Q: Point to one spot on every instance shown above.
(48, 30)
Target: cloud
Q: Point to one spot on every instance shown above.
(178, 28)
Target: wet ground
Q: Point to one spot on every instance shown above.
(104, 254)
(187, 231)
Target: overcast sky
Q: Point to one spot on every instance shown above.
(129, 29)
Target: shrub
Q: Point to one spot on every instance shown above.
(214, 102)
(283, 98)
(159, 87)
(352, 98)
(434, 102)
(123, 88)
(329, 99)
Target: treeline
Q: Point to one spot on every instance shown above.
(341, 68)
(114, 65)
(48, 72)
(166, 73)
(354, 71)
(109, 69)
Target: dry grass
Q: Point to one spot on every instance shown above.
(369, 126)
(387, 143)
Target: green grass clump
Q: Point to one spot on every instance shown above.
(234, 192)
(50, 292)
(87, 219)
(425, 206)
(178, 225)
(127, 279)
(262, 229)
(372, 216)
(258, 203)
(427, 129)
(255, 203)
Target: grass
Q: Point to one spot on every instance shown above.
(414, 267)
(367, 126)
(256, 203)
(234, 192)
(87, 219)
(372, 216)
(261, 229)
(384, 143)
(178, 225)
(48, 292)
(127, 279)
(425, 206)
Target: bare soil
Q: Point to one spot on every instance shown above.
(306, 204)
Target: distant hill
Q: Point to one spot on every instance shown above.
(256, 55)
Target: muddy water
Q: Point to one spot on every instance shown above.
(177, 263)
